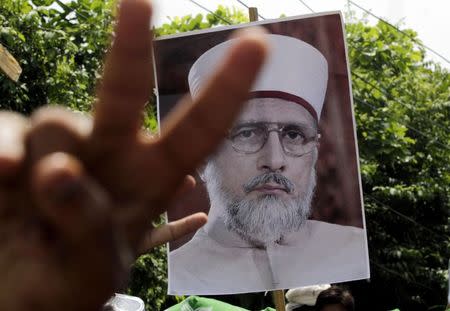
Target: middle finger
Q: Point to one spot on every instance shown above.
(193, 130)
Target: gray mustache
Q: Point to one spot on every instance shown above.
(263, 179)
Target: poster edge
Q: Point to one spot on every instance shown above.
(249, 24)
(350, 86)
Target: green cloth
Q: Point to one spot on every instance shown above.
(195, 303)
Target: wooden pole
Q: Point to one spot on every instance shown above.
(278, 295)
(253, 14)
(9, 65)
(278, 299)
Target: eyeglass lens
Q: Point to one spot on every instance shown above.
(295, 139)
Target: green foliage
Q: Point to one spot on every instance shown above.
(150, 121)
(222, 16)
(60, 49)
(149, 280)
(402, 110)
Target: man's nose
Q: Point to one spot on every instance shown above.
(272, 157)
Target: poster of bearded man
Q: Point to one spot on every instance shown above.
(283, 191)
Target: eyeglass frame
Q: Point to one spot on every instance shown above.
(279, 128)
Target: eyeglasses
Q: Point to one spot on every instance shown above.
(296, 139)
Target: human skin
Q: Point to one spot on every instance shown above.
(238, 168)
(262, 212)
(78, 196)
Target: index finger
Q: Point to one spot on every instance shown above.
(127, 79)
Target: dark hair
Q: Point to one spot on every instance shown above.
(335, 295)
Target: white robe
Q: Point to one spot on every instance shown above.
(222, 263)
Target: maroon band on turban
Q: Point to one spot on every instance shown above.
(288, 97)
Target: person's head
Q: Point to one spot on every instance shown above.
(304, 298)
(263, 176)
(335, 299)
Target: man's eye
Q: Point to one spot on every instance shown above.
(294, 135)
(246, 133)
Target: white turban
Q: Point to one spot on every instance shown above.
(295, 71)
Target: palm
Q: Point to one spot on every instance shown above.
(41, 272)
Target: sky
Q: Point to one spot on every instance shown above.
(430, 19)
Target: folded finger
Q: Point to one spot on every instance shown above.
(55, 129)
(127, 80)
(69, 200)
(172, 231)
(187, 185)
(88, 244)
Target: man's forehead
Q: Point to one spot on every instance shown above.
(274, 110)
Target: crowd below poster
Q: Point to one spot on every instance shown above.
(282, 192)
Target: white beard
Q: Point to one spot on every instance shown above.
(262, 220)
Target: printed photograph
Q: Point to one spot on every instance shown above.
(283, 191)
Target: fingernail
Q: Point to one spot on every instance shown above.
(58, 178)
(253, 31)
(11, 145)
(10, 150)
(252, 49)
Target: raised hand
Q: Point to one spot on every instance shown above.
(78, 196)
